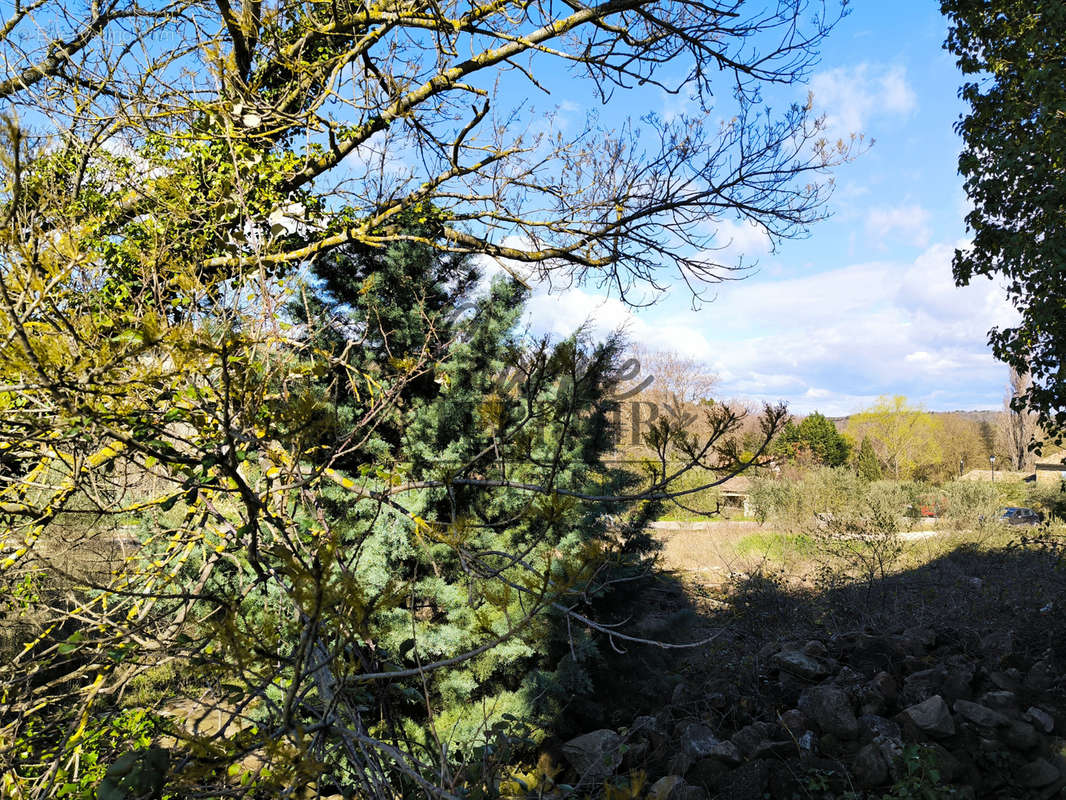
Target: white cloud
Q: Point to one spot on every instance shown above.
(909, 223)
(832, 341)
(848, 335)
(741, 238)
(677, 104)
(561, 313)
(851, 96)
(896, 96)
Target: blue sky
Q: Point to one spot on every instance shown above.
(866, 305)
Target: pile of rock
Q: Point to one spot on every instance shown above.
(856, 711)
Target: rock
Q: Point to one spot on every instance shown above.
(751, 736)
(747, 782)
(1040, 678)
(718, 701)
(794, 722)
(980, 715)
(680, 695)
(922, 685)
(1059, 761)
(692, 793)
(706, 772)
(784, 779)
(807, 743)
(1037, 773)
(724, 751)
(848, 677)
(791, 685)
(1008, 680)
(635, 751)
(1041, 719)
(1001, 701)
(990, 744)
(650, 729)
(910, 731)
(594, 755)
(770, 749)
(932, 717)
(870, 768)
(679, 763)
(1021, 735)
(815, 649)
(828, 744)
(666, 788)
(767, 650)
(949, 766)
(957, 681)
(699, 741)
(829, 708)
(870, 654)
(877, 695)
(646, 724)
(919, 640)
(885, 685)
(997, 645)
(873, 727)
(140, 773)
(800, 664)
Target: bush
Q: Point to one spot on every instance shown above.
(1048, 499)
(796, 506)
(970, 503)
(862, 540)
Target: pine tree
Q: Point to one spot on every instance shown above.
(815, 436)
(868, 466)
(483, 404)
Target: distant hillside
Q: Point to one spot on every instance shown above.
(972, 416)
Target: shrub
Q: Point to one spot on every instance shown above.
(969, 503)
(1051, 500)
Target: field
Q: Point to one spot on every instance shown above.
(717, 550)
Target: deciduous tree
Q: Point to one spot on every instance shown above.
(1015, 53)
(903, 436)
(1018, 425)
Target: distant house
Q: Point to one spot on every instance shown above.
(998, 475)
(1050, 469)
(735, 493)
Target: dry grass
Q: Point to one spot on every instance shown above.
(711, 556)
(704, 554)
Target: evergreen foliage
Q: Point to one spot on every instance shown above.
(815, 439)
(869, 468)
(481, 403)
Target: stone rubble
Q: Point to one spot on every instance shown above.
(849, 713)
